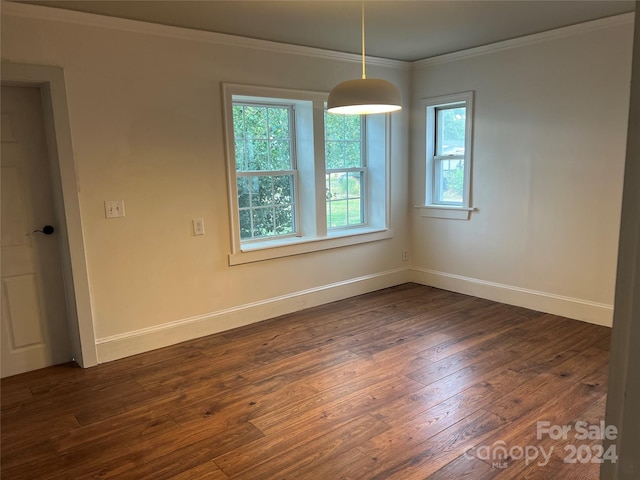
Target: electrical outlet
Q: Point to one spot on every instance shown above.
(113, 208)
(405, 255)
(198, 226)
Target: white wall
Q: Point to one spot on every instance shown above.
(548, 157)
(146, 123)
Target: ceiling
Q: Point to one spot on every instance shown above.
(396, 29)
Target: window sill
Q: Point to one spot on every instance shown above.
(445, 211)
(285, 247)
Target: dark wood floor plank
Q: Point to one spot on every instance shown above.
(424, 402)
(123, 429)
(205, 471)
(554, 449)
(426, 456)
(407, 433)
(188, 457)
(301, 365)
(465, 468)
(13, 456)
(337, 407)
(308, 457)
(465, 336)
(405, 352)
(402, 383)
(37, 461)
(587, 401)
(335, 376)
(360, 321)
(172, 452)
(245, 404)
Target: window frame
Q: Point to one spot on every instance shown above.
(313, 234)
(432, 207)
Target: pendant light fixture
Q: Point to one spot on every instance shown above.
(365, 95)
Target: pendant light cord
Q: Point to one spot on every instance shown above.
(364, 73)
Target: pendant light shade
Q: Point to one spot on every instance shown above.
(365, 95)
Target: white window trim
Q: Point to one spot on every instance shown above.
(430, 208)
(314, 236)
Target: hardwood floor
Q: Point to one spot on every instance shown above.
(410, 382)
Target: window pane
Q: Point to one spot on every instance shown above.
(263, 195)
(344, 200)
(355, 200)
(245, 224)
(262, 138)
(243, 192)
(241, 162)
(283, 190)
(334, 154)
(333, 126)
(262, 222)
(284, 220)
(353, 154)
(352, 127)
(343, 141)
(450, 181)
(344, 131)
(256, 122)
(450, 125)
(257, 155)
(278, 122)
(280, 154)
(238, 122)
(353, 185)
(267, 205)
(355, 212)
(337, 185)
(338, 214)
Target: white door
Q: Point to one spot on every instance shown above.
(34, 327)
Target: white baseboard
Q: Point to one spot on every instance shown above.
(575, 308)
(146, 339)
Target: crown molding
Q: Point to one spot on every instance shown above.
(39, 12)
(563, 32)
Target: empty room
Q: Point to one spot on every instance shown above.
(318, 240)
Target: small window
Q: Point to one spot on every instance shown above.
(448, 151)
(345, 170)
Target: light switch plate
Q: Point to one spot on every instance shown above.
(113, 208)
(198, 226)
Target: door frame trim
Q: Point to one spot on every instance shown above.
(50, 80)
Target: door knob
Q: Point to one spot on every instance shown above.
(47, 230)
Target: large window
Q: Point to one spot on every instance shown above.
(448, 153)
(301, 179)
(265, 169)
